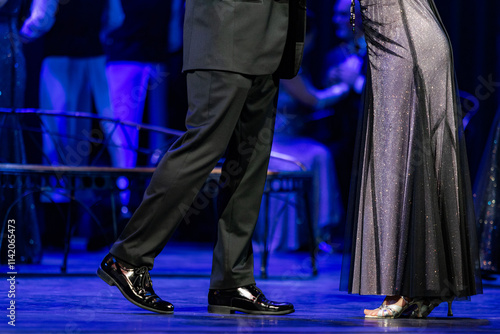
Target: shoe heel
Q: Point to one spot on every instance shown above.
(105, 277)
(220, 309)
(420, 306)
(450, 311)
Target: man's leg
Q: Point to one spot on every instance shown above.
(232, 284)
(215, 103)
(242, 183)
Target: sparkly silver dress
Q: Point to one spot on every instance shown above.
(411, 213)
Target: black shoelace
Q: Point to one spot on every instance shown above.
(144, 280)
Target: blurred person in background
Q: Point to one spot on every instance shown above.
(72, 79)
(141, 69)
(140, 64)
(344, 62)
(299, 102)
(73, 75)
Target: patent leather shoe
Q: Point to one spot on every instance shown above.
(247, 299)
(134, 283)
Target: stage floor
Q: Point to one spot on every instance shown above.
(80, 302)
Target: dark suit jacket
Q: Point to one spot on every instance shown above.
(243, 36)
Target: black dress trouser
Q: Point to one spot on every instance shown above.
(228, 113)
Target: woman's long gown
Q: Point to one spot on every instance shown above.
(411, 215)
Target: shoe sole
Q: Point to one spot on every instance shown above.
(231, 310)
(377, 317)
(108, 279)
